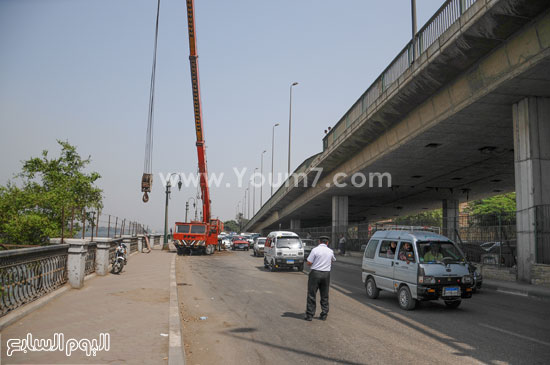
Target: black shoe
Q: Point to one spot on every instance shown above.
(323, 317)
(308, 318)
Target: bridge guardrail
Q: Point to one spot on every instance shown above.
(440, 22)
(27, 274)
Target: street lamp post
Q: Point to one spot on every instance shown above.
(187, 208)
(262, 182)
(290, 124)
(254, 192)
(413, 16)
(248, 201)
(272, 151)
(168, 186)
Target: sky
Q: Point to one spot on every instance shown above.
(79, 70)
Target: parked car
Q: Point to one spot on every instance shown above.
(417, 265)
(226, 242)
(478, 278)
(283, 250)
(240, 243)
(309, 245)
(259, 245)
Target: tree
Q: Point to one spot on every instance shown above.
(50, 187)
(491, 210)
(431, 218)
(231, 226)
(241, 221)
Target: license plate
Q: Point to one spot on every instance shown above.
(452, 291)
(289, 261)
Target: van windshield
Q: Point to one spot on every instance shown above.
(288, 242)
(433, 252)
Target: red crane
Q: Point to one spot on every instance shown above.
(197, 236)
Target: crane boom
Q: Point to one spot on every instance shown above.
(201, 149)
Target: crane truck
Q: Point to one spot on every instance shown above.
(197, 236)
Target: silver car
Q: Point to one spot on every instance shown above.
(259, 244)
(418, 266)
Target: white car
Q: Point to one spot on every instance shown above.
(283, 250)
(259, 245)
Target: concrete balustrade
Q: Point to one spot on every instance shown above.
(76, 261)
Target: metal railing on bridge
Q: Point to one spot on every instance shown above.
(440, 22)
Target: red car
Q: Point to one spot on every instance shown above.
(240, 243)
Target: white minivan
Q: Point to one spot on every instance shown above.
(283, 250)
(417, 265)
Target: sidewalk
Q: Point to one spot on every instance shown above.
(133, 308)
(508, 287)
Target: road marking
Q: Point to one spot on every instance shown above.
(515, 334)
(341, 289)
(521, 294)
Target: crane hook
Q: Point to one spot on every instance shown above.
(145, 197)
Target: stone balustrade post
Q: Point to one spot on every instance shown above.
(76, 261)
(102, 255)
(127, 240)
(140, 239)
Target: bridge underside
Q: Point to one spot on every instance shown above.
(470, 155)
(458, 144)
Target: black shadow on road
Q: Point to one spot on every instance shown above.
(293, 315)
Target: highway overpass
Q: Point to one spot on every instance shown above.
(463, 112)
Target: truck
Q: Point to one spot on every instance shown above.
(197, 236)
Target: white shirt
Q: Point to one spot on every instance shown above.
(321, 258)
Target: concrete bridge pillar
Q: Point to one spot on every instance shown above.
(294, 224)
(76, 262)
(339, 218)
(450, 218)
(532, 169)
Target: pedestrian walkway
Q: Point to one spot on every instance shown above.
(508, 287)
(133, 308)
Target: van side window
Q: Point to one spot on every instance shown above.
(371, 249)
(386, 248)
(406, 252)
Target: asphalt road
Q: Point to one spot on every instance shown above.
(256, 317)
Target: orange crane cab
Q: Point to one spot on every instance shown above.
(197, 236)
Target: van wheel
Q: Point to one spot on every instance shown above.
(372, 290)
(301, 267)
(406, 300)
(452, 303)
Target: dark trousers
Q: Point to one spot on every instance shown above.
(318, 280)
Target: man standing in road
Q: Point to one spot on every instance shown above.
(320, 259)
(342, 245)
